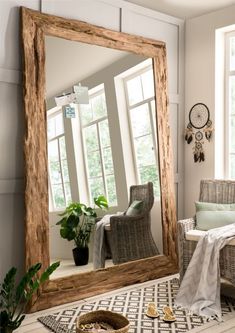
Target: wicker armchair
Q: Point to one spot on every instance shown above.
(130, 237)
(216, 191)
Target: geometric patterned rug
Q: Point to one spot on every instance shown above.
(132, 304)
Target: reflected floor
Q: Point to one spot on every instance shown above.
(67, 268)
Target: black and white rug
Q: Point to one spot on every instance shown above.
(132, 303)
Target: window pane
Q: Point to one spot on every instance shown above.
(140, 120)
(58, 195)
(65, 170)
(144, 151)
(134, 90)
(53, 152)
(62, 148)
(108, 161)
(86, 113)
(150, 174)
(111, 188)
(94, 164)
(104, 133)
(232, 53)
(91, 138)
(51, 128)
(148, 84)
(232, 135)
(98, 106)
(55, 173)
(67, 193)
(232, 95)
(96, 187)
(232, 166)
(59, 124)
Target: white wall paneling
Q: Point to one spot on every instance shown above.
(11, 137)
(11, 133)
(10, 57)
(10, 186)
(10, 76)
(92, 11)
(12, 232)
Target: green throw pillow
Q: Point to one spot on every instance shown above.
(207, 220)
(213, 206)
(135, 208)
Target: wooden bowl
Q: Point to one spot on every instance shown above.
(117, 321)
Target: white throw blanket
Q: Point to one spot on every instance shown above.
(99, 250)
(199, 291)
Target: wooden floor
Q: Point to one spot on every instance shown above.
(30, 324)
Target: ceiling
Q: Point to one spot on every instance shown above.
(184, 8)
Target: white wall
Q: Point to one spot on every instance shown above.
(200, 87)
(115, 14)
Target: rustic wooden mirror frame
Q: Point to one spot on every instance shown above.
(35, 26)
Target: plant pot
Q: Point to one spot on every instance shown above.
(81, 255)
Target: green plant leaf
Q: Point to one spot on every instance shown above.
(45, 275)
(4, 318)
(21, 288)
(101, 202)
(72, 221)
(19, 321)
(60, 222)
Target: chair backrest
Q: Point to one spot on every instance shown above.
(218, 191)
(143, 193)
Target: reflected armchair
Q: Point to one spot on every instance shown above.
(216, 191)
(130, 237)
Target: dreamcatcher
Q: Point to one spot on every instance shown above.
(199, 119)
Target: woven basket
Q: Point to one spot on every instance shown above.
(116, 320)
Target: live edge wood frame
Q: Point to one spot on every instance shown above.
(35, 26)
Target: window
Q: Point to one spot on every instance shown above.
(59, 183)
(230, 103)
(140, 98)
(97, 147)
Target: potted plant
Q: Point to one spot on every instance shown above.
(77, 224)
(14, 299)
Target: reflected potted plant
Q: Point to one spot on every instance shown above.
(14, 299)
(77, 224)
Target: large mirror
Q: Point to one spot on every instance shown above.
(103, 146)
(97, 126)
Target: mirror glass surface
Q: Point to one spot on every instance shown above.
(100, 144)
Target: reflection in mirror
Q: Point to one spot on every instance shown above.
(104, 145)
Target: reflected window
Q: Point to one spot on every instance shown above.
(140, 98)
(97, 147)
(230, 103)
(59, 183)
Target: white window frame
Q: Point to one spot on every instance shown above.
(98, 90)
(53, 207)
(227, 73)
(130, 107)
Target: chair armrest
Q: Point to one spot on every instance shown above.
(182, 227)
(125, 218)
(185, 225)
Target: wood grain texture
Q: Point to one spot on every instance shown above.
(35, 26)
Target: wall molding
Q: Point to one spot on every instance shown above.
(144, 11)
(174, 98)
(10, 76)
(12, 186)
